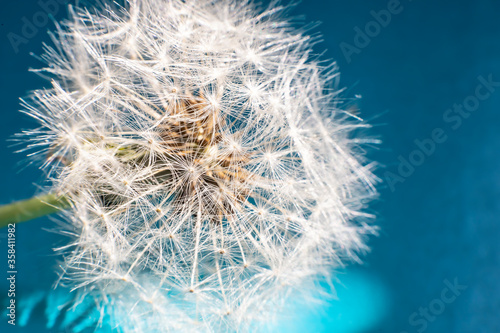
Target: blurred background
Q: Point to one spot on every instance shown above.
(428, 77)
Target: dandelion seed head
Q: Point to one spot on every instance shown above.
(210, 165)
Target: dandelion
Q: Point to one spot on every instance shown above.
(207, 159)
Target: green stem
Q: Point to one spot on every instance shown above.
(29, 209)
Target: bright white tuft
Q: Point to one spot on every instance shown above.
(209, 161)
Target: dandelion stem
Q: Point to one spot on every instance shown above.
(33, 208)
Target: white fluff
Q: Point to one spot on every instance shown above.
(210, 162)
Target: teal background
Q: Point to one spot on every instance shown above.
(441, 223)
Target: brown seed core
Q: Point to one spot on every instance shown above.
(214, 178)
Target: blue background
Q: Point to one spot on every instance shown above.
(440, 224)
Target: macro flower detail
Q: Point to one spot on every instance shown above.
(210, 163)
